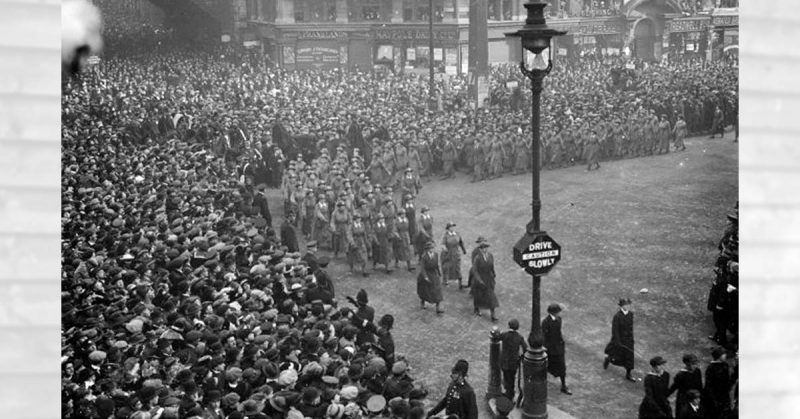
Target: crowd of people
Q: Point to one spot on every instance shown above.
(180, 296)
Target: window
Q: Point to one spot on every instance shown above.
(268, 11)
(508, 10)
(419, 10)
(369, 10)
(315, 10)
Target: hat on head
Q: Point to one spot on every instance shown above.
(349, 392)
(450, 224)
(513, 324)
(717, 352)
(312, 243)
(554, 308)
(461, 367)
(250, 407)
(399, 367)
(361, 297)
(429, 245)
(624, 301)
(689, 359)
(376, 403)
(657, 360)
(335, 411)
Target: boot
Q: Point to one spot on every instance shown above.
(606, 362)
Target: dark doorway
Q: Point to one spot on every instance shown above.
(644, 40)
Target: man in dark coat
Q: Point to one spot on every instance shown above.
(716, 394)
(310, 257)
(686, 380)
(554, 342)
(619, 350)
(324, 281)
(656, 390)
(289, 234)
(262, 206)
(459, 399)
(512, 346)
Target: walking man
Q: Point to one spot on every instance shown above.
(554, 342)
(513, 346)
(619, 350)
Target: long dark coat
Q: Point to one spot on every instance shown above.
(685, 381)
(554, 342)
(483, 281)
(429, 280)
(655, 404)
(289, 237)
(620, 348)
(716, 395)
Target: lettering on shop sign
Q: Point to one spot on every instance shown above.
(686, 26)
(600, 28)
(725, 20)
(406, 34)
(322, 35)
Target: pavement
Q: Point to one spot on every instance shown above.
(552, 412)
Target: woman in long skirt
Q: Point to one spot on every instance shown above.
(382, 246)
(402, 240)
(357, 245)
(451, 257)
(483, 281)
(429, 284)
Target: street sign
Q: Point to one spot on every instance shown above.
(537, 253)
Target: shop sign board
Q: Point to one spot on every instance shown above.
(318, 56)
(681, 25)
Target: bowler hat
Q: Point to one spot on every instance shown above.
(624, 301)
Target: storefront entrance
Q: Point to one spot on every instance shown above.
(644, 39)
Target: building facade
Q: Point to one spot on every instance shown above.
(360, 34)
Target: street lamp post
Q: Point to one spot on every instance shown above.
(535, 37)
(430, 56)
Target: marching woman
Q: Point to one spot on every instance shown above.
(483, 280)
(382, 246)
(402, 241)
(451, 258)
(357, 245)
(429, 284)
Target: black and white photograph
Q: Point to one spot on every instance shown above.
(406, 209)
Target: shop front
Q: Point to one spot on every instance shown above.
(724, 33)
(405, 48)
(603, 37)
(687, 38)
(321, 49)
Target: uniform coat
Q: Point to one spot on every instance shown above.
(483, 281)
(429, 283)
(459, 400)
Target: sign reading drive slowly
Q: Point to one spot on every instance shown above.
(537, 253)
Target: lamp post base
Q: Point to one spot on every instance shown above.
(534, 367)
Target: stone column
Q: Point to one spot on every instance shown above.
(285, 12)
(397, 11)
(341, 11)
